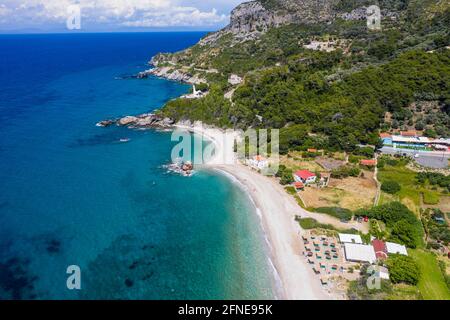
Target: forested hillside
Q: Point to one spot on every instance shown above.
(326, 85)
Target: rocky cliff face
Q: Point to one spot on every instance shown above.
(258, 16)
(253, 18)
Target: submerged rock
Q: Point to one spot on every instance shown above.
(105, 123)
(129, 283)
(184, 168)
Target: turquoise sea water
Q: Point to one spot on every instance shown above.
(72, 194)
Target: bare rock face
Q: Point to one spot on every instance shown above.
(127, 120)
(259, 16)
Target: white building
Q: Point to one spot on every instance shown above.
(196, 94)
(350, 238)
(258, 162)
(395, 248)
(359, 252)
(305, 176)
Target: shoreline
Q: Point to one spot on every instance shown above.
(277, 212)
(278, 288)
(283, 233)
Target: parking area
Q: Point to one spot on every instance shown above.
(435, 160)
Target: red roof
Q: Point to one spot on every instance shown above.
(408, 133)
(299, 185)
(304, 174)
(380, 249)
(385, 135)
(312, 150)
(368, 163)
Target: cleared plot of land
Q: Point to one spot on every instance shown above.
(350, 193)
(432, 285)
(296, 163)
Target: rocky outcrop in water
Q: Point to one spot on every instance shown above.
(143, 121)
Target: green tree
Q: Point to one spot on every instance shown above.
(405, 233)
(286, 177)
(403, 269)
(391, 187)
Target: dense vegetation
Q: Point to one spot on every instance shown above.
(436, 228)
(404, 226)
(297, 99)
(285, 175)
(391, 187)
(337, 212)
(403, 269)
(434, 179)
(310, 223)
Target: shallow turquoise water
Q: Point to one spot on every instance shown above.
(71, 193)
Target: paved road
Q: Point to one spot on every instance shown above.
(436, 160)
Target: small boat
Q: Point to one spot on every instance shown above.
(125, 140)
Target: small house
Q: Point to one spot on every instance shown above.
(305, 176)
(408, 133)
(368, 162)
(299, 185)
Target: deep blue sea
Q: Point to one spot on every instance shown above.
(72, 194)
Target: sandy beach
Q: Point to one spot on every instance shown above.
(278, 210)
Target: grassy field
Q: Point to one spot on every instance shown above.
(432, 285)
(410, 193)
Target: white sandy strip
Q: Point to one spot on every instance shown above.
(278, 210)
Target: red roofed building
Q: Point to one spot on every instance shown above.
(408, 133)
(312, 150)
(368, 163)
(380, 249)
(384, 135)
(305, 176)
(299, 185)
